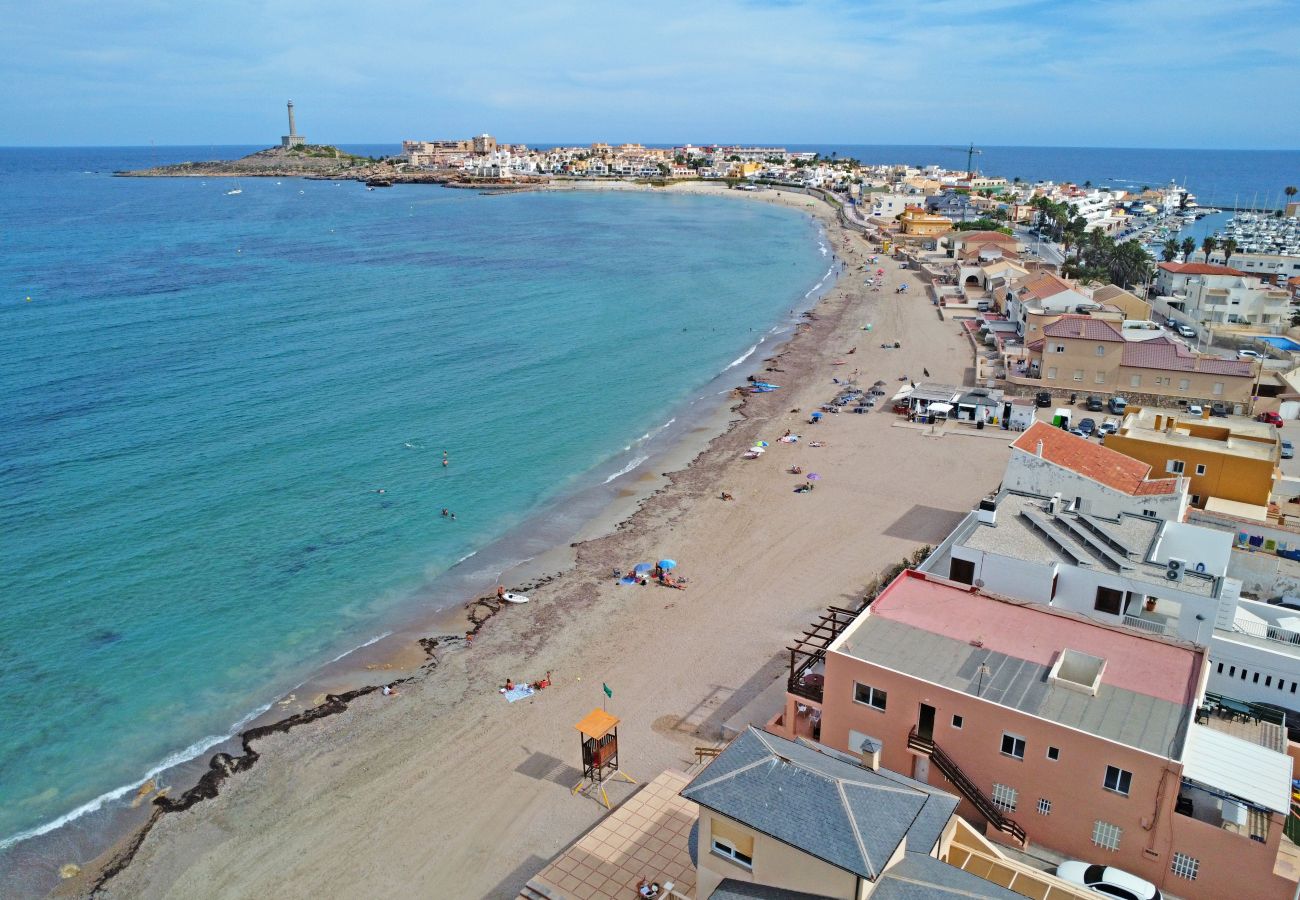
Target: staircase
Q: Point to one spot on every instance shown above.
(967, 788)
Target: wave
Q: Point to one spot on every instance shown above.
(466, 556)
(628, 468)
(822, 248)
(375, 639)
(170, 761)
(748, 353)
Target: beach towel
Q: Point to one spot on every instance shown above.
(520, 692)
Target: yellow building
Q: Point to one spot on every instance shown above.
(917, 221)
(1224, 459)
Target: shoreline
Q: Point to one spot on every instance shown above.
(405, 645)
(375, 786)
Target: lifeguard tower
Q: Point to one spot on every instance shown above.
(599, 733)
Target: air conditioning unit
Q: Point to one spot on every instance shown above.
(1174, 569)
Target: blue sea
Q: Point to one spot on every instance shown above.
(224, 419)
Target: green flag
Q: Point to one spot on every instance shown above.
(608, 692)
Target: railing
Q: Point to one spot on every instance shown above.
(968, 788)
(1266, 631)
(1145, 625)
(1258, 711)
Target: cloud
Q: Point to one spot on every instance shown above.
(1004, 71)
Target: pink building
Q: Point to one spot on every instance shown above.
(1054, 729)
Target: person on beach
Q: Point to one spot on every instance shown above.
(501, 592)
(389, 692)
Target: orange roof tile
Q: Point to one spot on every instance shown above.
(1199, 269)
(1115, 470)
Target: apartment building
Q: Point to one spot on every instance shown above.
(1057, 731)
(1219, 295)
(1275, 267)
(1227, 461)
(1040, 298)
(1086, 353)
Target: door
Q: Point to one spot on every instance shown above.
(925, 726)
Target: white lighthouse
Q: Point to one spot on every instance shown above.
(293, 138)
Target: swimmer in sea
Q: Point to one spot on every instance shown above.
(445, 462)
(445, 513)
(379, 490)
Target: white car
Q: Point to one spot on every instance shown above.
(1107, 881)
(1249, 354)
(1195, 410)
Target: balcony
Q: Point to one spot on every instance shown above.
(1153, 615)
(807, 657)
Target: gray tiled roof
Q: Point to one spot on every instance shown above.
(845, 814)
(1137, 720)
(731, 889)
(922, 877)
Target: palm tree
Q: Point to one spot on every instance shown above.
(1290, 192)
(1188, 247)
(1208, 245)
(1229, 248)
(1170, 249)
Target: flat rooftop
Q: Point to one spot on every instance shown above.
(1244, 438)
(1074, 540)
(944, 633)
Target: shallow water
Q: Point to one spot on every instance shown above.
(206, 395)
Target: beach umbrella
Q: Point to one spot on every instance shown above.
(642, 568)
(667, 563)
(816, 415)
(813, 476)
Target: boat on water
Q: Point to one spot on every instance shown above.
(235, 191)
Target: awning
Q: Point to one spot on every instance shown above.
(903, 394)
(939, 409)
(1244, 770)
(1237, 509)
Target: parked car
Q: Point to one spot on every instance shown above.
(1079, 432)
(1218, 409)
(1110, 426)
(1107, 881)
(1093, 403)
(1087, 426)
(1288, 451)
(1117, 405)
(1043, 399)
(1271, 418)
(1185, 331)
(1249, 354)
(1195, 410)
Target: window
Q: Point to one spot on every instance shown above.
(1058, 348)
(1005, 797)
(1135, 381)
(724, 848)
(1255, 679)
(1044, 806)
(1078, 374)
(1106, 835)
(1218, 388)
(1268, 681)
(1117, 780)
(1101, 349)
(1013, 746)
(1232, 671)
(1053, 753)
(1175, 466)
(1101, 377)
(869, 696)
(1220, 669)
(1195, 499)
(1200, 468)
(1185, 866)
(1109, 600)
(1183, 384)
(957, 721)
(1051, 373)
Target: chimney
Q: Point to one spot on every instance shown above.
(870, 753)
(1038, 451)
(988, 510)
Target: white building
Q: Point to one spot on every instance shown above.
(1219, 295)
(1086, 529)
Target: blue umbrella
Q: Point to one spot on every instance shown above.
(667, 563)
(642, 568)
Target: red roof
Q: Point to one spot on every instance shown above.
(1044, 285)
(997, 237)
(1115, 470)
(1085, 327)
(1199, 269)
(1165, 353)
(1135, 662)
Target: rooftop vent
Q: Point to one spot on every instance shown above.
(988, 512)
(1078, 671)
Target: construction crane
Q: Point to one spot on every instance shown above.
(971, 152)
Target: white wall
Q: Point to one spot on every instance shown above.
(1031, 474)
(1195, 544)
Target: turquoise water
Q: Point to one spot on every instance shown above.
(1281, 343)
(206, 392)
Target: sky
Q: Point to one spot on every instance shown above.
(1116, 73)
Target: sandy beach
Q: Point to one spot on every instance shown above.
(446, 790)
